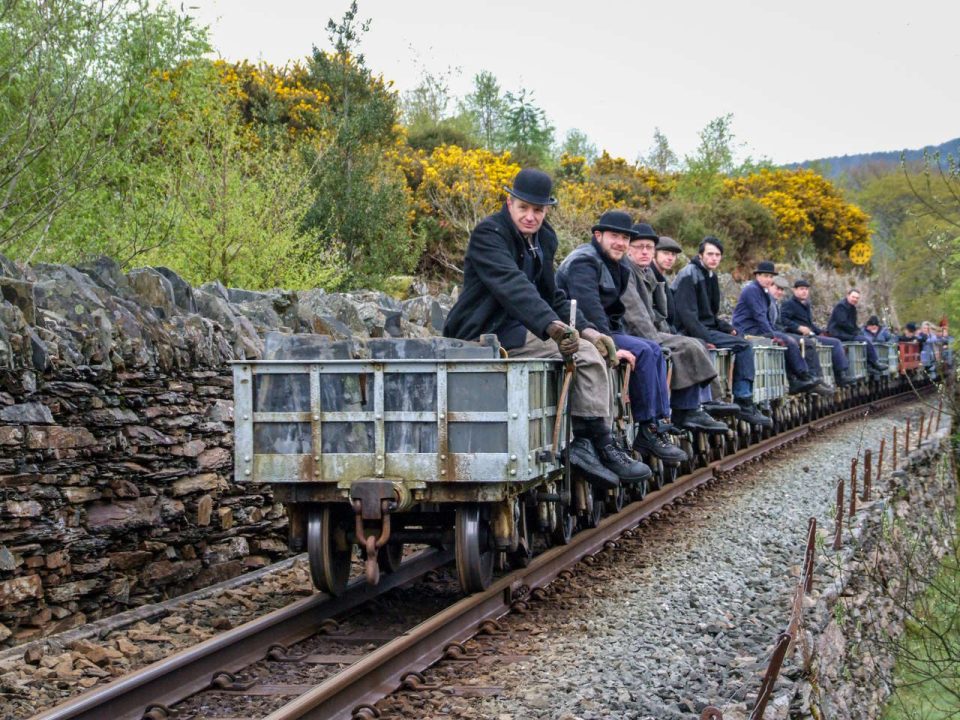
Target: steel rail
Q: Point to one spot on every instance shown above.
(383, 671)
(175, 678)
(189, 671)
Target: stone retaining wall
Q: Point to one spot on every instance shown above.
(844, 663)
(116, 477)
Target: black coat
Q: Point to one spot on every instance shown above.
(496, 291)
(843, 321)
(697, 295)
(794, 313)
(596, 282)
(671, 303)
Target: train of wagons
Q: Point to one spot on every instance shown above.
(451, 443)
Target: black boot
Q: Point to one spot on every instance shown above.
(648, 440)
(823, 390)
(619, 462)
(845, 379)
(801, 384)
(717, 408)
(750, 414)
(877, 366)
(699, 421)
(583, 456)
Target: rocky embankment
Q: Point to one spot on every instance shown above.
(116, 410)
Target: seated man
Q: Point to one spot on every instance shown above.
(910, 333)
(808, 344)
(595, 276)
(752, 317)
(877, 332)
(797, 318)
(645, 316)
(697, 296)
(843, 324)
(509, 289)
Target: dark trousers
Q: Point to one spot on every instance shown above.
(743, 370)
(687, 398)
(649, 396)
(796, 365)
(839, 357)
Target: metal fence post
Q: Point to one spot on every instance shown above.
(808, 557)
(838, 528)
(867, 474)
(883, 445)
(920, 434)
(906, 440)
(894, 448)
(853, 487)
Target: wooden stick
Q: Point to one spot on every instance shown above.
(894, 448)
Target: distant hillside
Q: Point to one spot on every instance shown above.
(839, 165)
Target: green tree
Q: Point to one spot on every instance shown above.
(704, 171)
(486, 107)
(660, 156)
(361, 200)
(527, 133)
(73, 110)
(577, 144)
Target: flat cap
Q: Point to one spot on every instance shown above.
(668, 244)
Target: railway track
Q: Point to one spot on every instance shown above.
(222, 664)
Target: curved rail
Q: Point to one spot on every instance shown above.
(385, 669)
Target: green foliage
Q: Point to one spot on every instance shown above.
(748, 228)
(526, 132)
(660, 157)
(361, 201)
(485, 108)
(681, 220)
(577, 144)
(73, 112)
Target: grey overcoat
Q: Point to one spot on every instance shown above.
(645, 301)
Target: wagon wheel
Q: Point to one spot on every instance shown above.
(474, 548)
(563, 532)
(670, 473)
(615, 500)
(591, 517)
(389, 557)
(328, 549)
(526, 520)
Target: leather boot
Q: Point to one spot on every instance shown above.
(583, 457)
(622, 465)
(649, 441)
(699, 421)
(750, 414)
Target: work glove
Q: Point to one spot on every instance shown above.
(604, 344)
(567, 338)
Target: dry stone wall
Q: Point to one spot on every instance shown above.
(116, 470)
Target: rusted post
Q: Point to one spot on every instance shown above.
(906, 439)
(894, 448)
(867, 474)
(838, 525)
(808, 557)
(883, 445)
(939, 410)
(920, 434)
(773, 672)
(853, 487)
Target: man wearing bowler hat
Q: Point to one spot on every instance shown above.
(697, 293)
(796, 317)
(808, 344)
(509, 289)
(752, 317)
(596, 276)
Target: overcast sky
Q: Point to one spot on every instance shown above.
(803, 80)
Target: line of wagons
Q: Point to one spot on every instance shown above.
(445, 442)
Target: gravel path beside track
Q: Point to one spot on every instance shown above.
(681, 615)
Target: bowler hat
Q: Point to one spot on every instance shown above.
(801, 283)
(873, 320)
(532, 186)
(615, 221)
(669, 244)
(766, 267)
(911, 326)
(645, 232)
